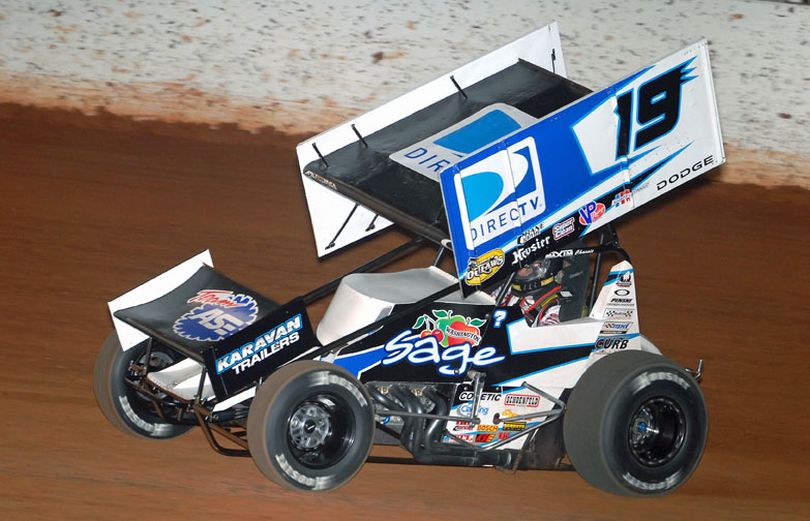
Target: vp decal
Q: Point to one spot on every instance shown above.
(500, 193)
(220, 314)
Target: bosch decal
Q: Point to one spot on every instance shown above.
(221, 314)
(266, 344)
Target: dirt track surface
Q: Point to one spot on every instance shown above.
(87, 213)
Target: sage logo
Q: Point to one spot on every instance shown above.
(500, 193)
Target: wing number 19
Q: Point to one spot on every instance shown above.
(657, 107)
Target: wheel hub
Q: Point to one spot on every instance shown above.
(310, 426)
(657, 431)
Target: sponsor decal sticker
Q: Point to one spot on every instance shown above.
(536, 244)
(499, 194)
(530, 234)
(619, 313)
(221, 313)
(522, 400)
(514, 426)
(625, 280)
(271, 341)
(484, 267)
(452, 360)
(611, 343)
(463, 426)
(466, 409)
(450, 329)
(591, 212)
(615, 327)
(468, 396)
(435, 153)
(563, 228)
(621, 301)
(623, 197)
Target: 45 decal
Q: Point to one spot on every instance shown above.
(221, 314)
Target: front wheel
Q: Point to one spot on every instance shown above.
(310, 426)
(129, 411)
(636, 424)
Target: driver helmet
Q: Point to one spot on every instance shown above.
(536, 276)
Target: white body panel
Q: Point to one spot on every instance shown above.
(362, 298)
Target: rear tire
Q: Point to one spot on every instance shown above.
(636, 424)
(128, 411)
(310, 426)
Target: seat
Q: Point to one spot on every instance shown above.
(363, 298)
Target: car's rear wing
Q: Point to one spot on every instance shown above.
(381, 167)
(582, 167)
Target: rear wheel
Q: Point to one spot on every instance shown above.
(310, 426)
(129, 411)
(635, 424)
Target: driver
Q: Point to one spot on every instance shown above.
(536, 289)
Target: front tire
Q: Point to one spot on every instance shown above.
(636, 424)
(128, 411)
(310, 426)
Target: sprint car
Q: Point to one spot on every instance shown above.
(528, 356)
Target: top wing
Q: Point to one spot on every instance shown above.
(383, 166)
(582, 167)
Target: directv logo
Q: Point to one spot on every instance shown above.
(432, 155)
(500, 193)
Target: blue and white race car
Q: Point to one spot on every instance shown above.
(528, 356)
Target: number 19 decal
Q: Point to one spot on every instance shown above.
(657, 107)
